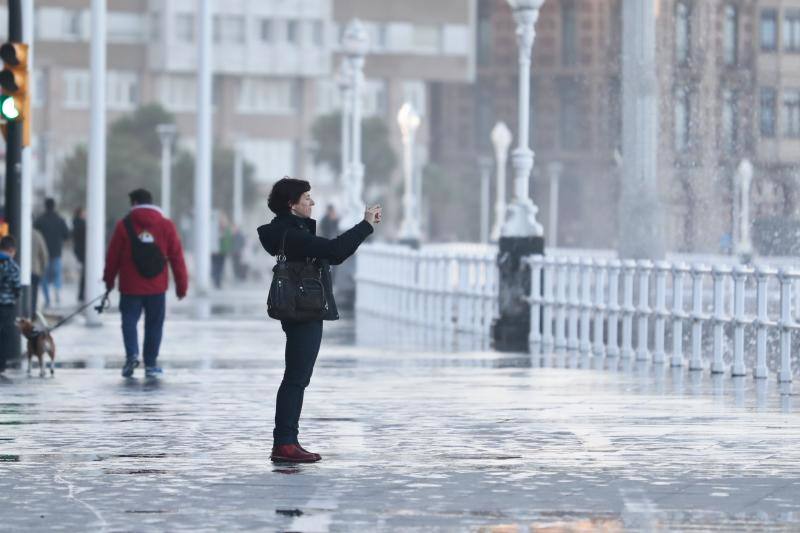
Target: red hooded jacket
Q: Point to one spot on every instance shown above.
(119, 259)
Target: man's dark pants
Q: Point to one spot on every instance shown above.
(154, 307)
(302, 346)
(8, 332)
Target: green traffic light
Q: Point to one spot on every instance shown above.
(8, 108)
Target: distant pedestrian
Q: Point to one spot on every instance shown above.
(39, 261)
(221, 248)
(79, 247)
(142, 245)
(239, 245)
(9, 294)
(329, 225)
(293, 233)
(55, 231)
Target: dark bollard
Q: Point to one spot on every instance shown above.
(510, 331)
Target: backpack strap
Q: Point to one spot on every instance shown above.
(129, 226)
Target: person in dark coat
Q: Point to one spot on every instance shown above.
(55, 231)
(291, 202)
(79, 246)
(329, 225)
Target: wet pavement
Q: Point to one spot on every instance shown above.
(413, 438)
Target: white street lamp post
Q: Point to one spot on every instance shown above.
(485, 167)
(501, 140)
(409, 120)
(745, 172)
(554, 169)
(521, 218)
(345, 82)
(166, 133)
(96, 186)
(355, 44)
(202, 178)
(238, 184)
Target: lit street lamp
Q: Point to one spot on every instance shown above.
(409, 120)
(521, 218)
(167, 133)
(501, 140)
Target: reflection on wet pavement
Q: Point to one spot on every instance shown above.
(412, 438)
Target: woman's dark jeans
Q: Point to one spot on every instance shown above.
(302, 346)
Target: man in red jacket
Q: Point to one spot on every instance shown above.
(140, 293)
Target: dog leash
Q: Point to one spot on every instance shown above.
(104, 304)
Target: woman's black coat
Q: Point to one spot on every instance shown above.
(302, 243)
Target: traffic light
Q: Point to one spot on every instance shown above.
(14, 101)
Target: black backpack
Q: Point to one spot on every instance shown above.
(147, 256)
(296, 293)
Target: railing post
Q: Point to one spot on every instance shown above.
(614, 269)
(561, 303)
(628, 310)
(586, 305)
(678, 273)
(489, 293)
(720, 274)
(477, 294)
(599, 306)
(698, 272)
(535, 262)
(574, 303)
(787, 324)
(644, 267)
(762, 320)
(661, 312)
(448, 288)
(547, 303)
(462, 294)
(740, 275)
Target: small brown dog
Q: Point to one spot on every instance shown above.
(39, 342)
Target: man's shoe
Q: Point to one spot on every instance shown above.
(153, 372)
(130, 366)
(318, 456)
(292, 453)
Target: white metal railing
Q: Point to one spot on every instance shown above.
(597, 306)
(456, 290)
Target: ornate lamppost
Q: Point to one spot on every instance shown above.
(355, 44)
(344, 80)
(501, 141)
(409, 120)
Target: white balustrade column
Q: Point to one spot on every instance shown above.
(574, 303)
(628, 310)
(599, 306)
(786, 278)
(490, 294)
(448, 292)
(661, 312)
(614, 269)
(562, 271)
(720, 274)
(678, 314)
(535, 262)
(698, 273)
(586, 306)
(547, 303)
(643, 268)
(763, 275)
(740, 275)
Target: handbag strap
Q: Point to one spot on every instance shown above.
(281, 257)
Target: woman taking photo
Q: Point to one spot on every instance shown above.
(292, 235)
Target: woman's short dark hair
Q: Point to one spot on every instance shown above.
(286, 191)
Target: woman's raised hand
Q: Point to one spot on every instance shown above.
(373, 214)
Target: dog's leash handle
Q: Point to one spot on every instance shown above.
(104, 304)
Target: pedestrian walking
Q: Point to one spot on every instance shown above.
(79, 247)
(239, 245)
(39, 261)
(55, 231)
(329, 225)
(142, 245)
(9, 294)
(292, 233)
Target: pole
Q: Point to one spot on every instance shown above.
(554, 169)
(202, 183)
(96, 186)
(238, 178)
(485, 166)
(26, 194)
(166, 178)
(501, 140)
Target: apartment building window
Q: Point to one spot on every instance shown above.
(730, 133)
(271, 158)
(126, 27)
(484, 33)
(76, 89)
(373, 99)
(569, 116)
(383, 36)
(569, 33)
(266, 31)
(267, 96)
(427, 38)
(318, 31)
(731, 35)
(73, 23)
(184, 27)
(39, 88)
(292, 32)
(767, 112)
(791, 113)
(683, 32)
(683, 119)
(122, 90)
(229, 29)
(791, 30)
(768, 31)
(179, 93)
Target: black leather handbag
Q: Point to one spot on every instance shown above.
(296, 293)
